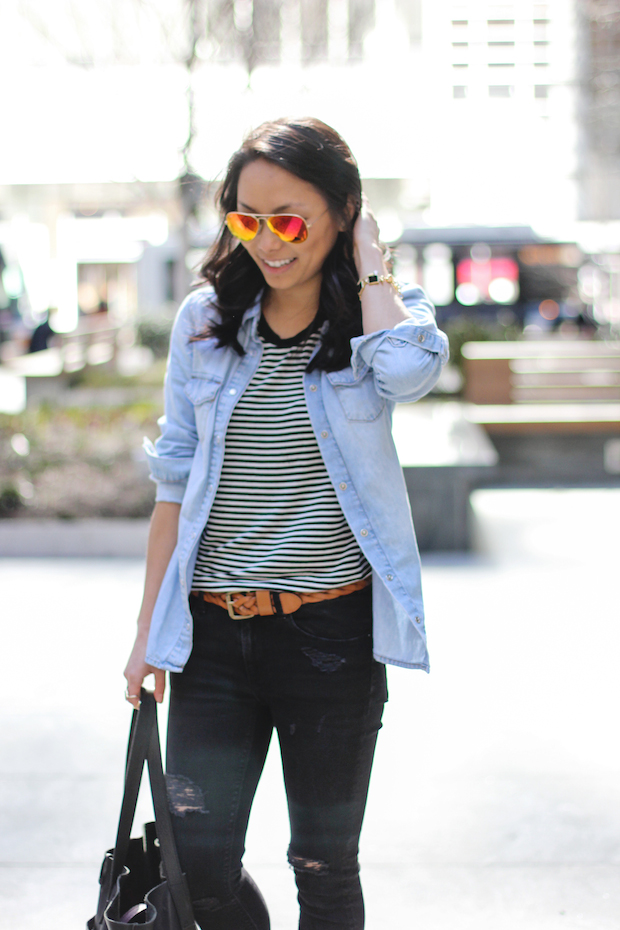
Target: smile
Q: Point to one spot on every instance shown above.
(280, 264)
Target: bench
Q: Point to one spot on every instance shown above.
(444, 456)
(546, 371)
(543, 445)
(449, 449)
(551, 408)
(45, 373)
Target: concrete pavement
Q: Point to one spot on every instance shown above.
(495, 802)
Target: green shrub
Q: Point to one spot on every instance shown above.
(462, 329)
(10, 501)
(154, 333)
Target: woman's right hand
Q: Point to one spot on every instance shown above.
(137, 670)
(162, 540)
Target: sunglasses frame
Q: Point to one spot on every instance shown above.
(266, 217)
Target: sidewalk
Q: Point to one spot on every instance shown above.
(495, 802)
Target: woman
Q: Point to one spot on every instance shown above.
(280, 499)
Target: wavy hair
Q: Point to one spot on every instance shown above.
(314, 152)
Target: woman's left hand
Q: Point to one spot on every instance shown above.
(366, 248)
(382, 307)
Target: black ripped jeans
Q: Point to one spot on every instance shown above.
(311, 675)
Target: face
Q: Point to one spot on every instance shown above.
(266, 188)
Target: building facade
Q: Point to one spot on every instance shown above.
(599, 109)
(503, 77)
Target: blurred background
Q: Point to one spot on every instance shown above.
(488, 138)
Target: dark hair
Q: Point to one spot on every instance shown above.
(312, 151)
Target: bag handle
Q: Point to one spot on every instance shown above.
(144, 745)
(142, 723)
(177, 883)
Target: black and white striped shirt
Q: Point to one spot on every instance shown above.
(276, 521)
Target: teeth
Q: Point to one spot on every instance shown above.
(285, 261)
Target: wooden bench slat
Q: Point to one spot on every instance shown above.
(540, 349)
(503, 419)
(565, 363)
(535, 372)
(564, 394)
(577, 379)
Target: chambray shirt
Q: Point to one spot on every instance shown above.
(350, 411)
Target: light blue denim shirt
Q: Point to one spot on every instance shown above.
(350, 411)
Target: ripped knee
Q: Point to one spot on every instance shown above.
(184, 796)
(302, 864)
(324, 661)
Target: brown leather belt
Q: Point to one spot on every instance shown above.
(242, 604)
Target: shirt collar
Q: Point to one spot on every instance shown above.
(249, 323)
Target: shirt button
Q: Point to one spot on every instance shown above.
(210, 487)
(343, 485)
(390, 577)
(233, 391)
(364, 533)
(324, 434)
(313, 387)
(418, 619)
(421, 337)
(218, 439)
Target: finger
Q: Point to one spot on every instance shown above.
(132, 691)
(160, 684)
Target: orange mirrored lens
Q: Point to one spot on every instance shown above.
(288, 228)
(242, 225)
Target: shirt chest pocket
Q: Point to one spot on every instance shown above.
(203, 392)
(358, 398)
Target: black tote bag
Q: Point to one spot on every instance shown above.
(133, 890)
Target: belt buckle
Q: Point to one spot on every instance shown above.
(231, 607)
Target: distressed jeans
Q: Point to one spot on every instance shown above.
(311, 675)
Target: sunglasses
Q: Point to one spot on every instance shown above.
(286, 226)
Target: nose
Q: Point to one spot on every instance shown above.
(268, 239)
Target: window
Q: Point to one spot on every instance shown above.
(540, 28)
(266, 31)
(313, 21)
(460, 44)
(500, 90)
(461, 65)
(459, 22)
(496, 44)
(541, 52)
(459, 91)
(501, 64)
(500, 30)
(361, 21)
(541, 91)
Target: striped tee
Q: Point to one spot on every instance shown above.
(276, 521)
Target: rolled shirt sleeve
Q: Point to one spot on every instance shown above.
(406, 361)
(170, 458)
